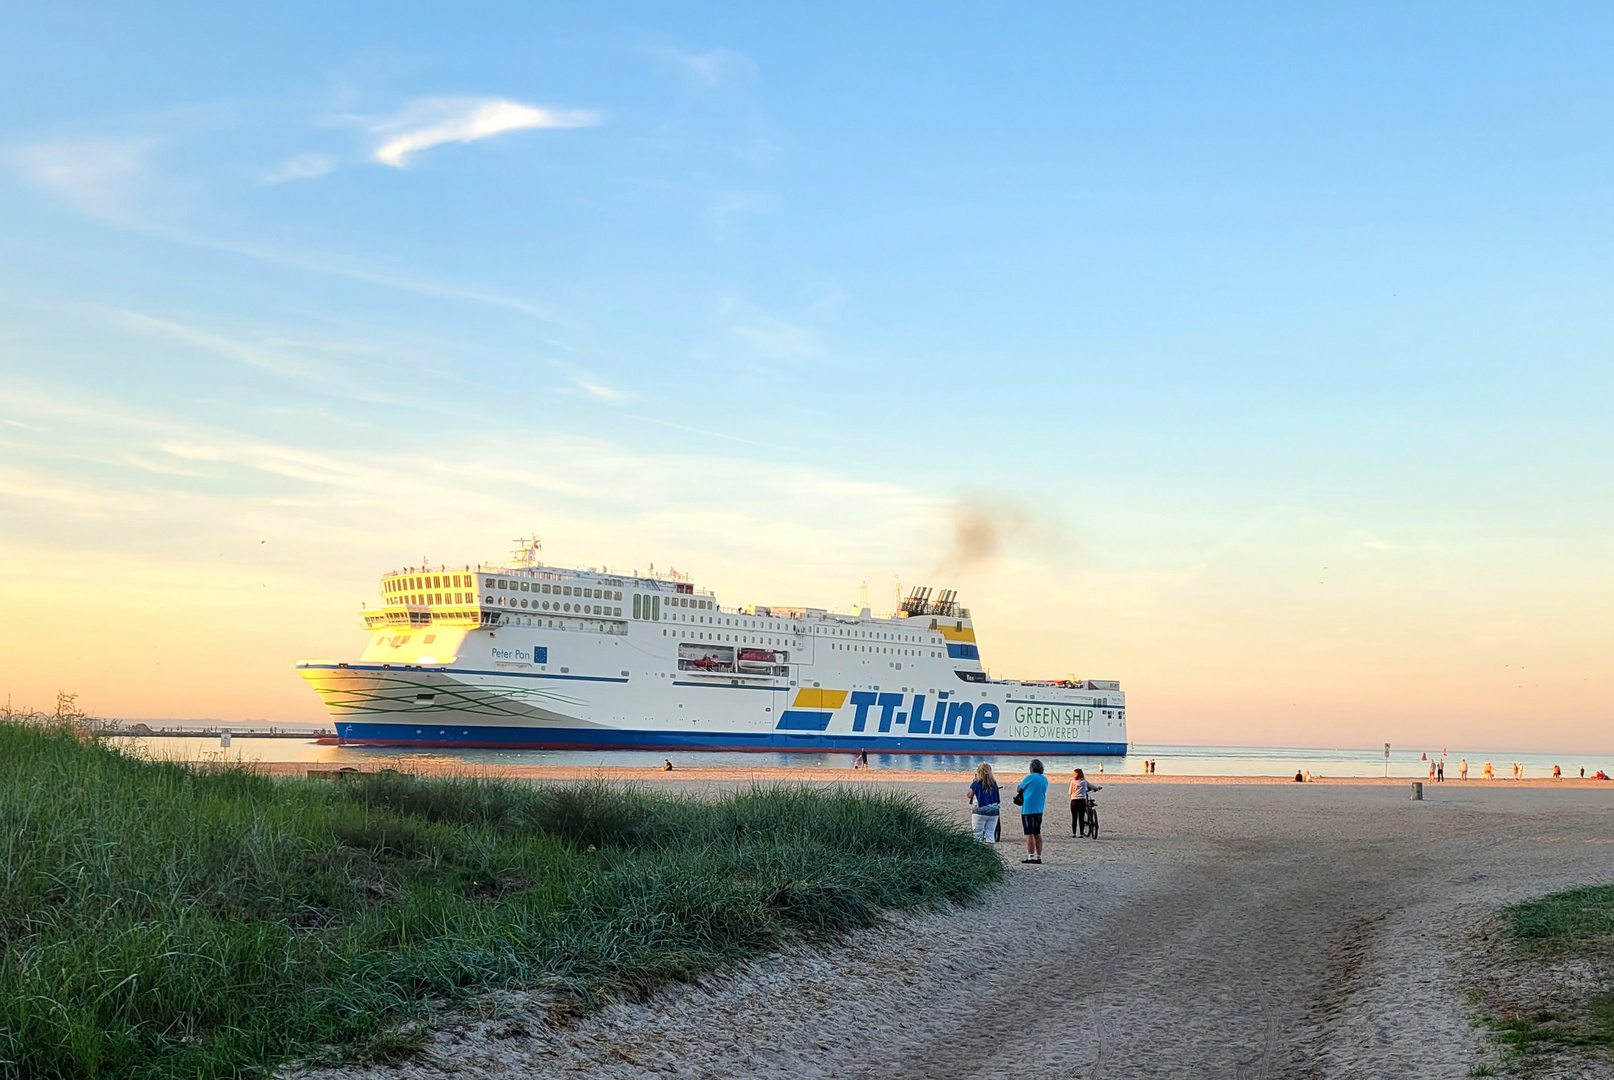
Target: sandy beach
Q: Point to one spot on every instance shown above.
(1220, 928)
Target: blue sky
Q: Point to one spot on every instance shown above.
(1187, 303)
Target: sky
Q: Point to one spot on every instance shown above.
(1257, 356)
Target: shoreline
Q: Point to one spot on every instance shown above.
(774, 773)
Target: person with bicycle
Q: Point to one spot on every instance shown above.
(1081, 794)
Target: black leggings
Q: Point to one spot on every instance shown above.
(1078, 816)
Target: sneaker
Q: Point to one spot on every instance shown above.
(1030, 860)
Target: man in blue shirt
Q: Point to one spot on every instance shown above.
(1034, 796)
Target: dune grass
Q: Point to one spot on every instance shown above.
(1559, 922)
(1576, 923)
(158, 920)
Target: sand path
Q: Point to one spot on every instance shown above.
(1228, 930)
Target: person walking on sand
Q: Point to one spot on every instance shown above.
(1080, 792)
(1462, 769)
(985, 803)
(1431, 772)
(1488, 774)
(1032, 795)
(1440, 772)
(1557, 773)
(861, 761)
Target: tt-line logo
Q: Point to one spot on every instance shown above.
(958, 717)
(948, 717)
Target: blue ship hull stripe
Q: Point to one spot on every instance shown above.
(804, 720)
(556, 738)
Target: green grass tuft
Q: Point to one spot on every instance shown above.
(1562, 921)
(157, 920)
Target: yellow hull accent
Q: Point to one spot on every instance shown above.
(820, 699)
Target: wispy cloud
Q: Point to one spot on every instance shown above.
(435, 121)
(300, 167)
(707, 68)
(113, 180)
(265, 357)
(598, 390)
(98, 177)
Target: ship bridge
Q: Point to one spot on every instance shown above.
(499, 596)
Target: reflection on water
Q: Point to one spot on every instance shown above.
(1170, 760)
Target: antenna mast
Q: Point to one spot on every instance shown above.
(527, 551)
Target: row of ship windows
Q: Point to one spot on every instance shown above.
(430, 599)
(556, 605)
(429, 581)
(648, 606)
(557, 590)
(868, 636)
(881, 649)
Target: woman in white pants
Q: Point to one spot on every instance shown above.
(985, 803)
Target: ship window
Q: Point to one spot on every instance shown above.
(546, 588)
(635, 605)
(655, 604)
(567, 590)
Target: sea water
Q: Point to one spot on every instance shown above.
(1169, 760)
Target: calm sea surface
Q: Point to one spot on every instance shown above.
(1170, 760)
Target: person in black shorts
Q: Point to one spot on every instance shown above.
(1032, 795)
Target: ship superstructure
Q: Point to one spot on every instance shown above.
(545, 657)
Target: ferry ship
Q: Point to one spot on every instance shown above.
(535, 656)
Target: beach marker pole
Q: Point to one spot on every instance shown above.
(1386, 761)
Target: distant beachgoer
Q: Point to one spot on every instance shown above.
(1488, 773)
(1033, 793)
(861, 761)
(1431, 772)
(1308, 776)
(1557, 773)
(1440, 772)
(666, 766)
(1080, 792)
(985, 802)
(1583, 772)
(1300, 777)
(1462, 769)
